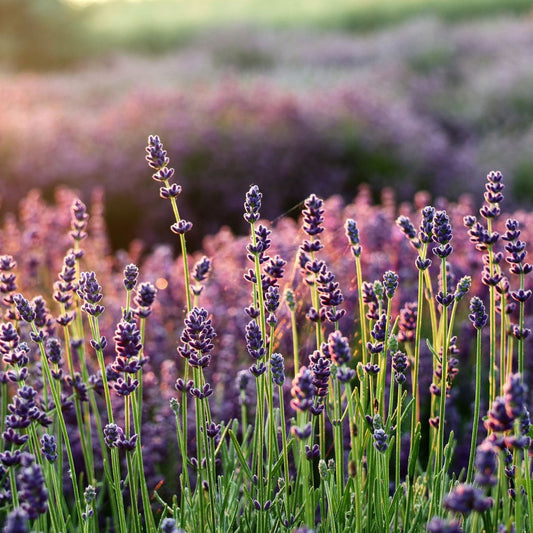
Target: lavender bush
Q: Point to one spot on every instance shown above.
(323, 376)
(421, 105)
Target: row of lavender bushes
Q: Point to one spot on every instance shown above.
(308, 401)
(327, 143)
(319, 113)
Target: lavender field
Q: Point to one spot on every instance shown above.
(287, 381)
(424, 105)
(308, 311)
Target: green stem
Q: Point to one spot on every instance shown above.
(61, 420)
(95, 330)
(477, 401)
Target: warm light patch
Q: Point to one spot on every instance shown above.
(161, 284)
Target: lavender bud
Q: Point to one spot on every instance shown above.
(303, 390)
(390, 283)
(440, 525)
(312, 452)
(408, 230)
(181, 227)
(157, 157)
(462, 287)
(201, 269)
(78, 220)
(32, 492)
(514, 395)
(276, 369)
(25, 309)
(17, 521)
(465, 499)
(426, 225)
(252, 205)
(352, 232)
(254, 340)
(485, 464)
(399, 365)
(338, 348)
(302, 433)
(112, 435)
(477, 315)
(174, 190)
(131, 273)
(313, 215)
(380, 440)
(49, 447)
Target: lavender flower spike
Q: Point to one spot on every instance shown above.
(17, 521)
(303, 390)
(338, 348)
(131, 272)
(157, 157)
(352, 232)
(276, 369)
(313, 214)
(442, 234)
(25, 309)
(252, 205)
(477, 315)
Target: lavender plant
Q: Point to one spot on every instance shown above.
(332, 425)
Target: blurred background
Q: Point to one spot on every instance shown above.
(297, 97)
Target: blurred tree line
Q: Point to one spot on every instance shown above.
(39, 34)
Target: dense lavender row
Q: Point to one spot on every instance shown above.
(304, 367)
(423, 100)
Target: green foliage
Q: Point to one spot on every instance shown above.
(161, 24)
(39, 34)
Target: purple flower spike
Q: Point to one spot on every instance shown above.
(486, 464)
(127, 339)
(514, 395)
(91, 293)
(409, 231)
(201, 269)
(78, 220)
(407, 322)
(112, 435)
(352, 232)
(477, 315)
(32, 493)
(320, 367)
(442, 234)
(338, 348)
(252, 205)
(380, 440)
(17, 521)
(466, 498)
(440, 525)
(49, 447)
(254, 340)
(399, 365)
(25, 309)
(313, 215)
(131, 273)
(276, 369)
(157, 157)
(426, 225)
(390, 283)
(303, 390)
(198, 333)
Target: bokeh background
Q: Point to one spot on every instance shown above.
(298, 97)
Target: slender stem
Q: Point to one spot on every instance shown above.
(398, 436)
(475, 421)
(95, 330)
(61, 420)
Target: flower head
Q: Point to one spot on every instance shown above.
(252, 205)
